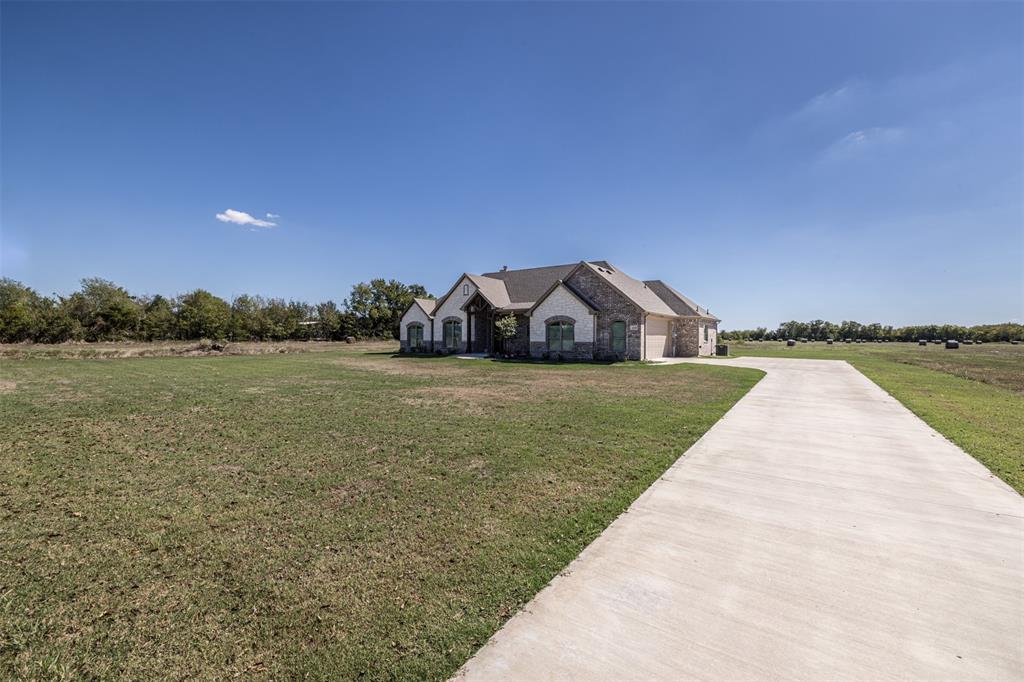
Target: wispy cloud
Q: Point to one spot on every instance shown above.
(859, 141)
(273, 215)
(831, 100)
(243, 218)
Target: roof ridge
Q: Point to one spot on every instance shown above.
(538, 267)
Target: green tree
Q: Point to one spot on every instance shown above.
(105, 311)
(379, 304)
(201, 315)
(159, 323)
(19, 312)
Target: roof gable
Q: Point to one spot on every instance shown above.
(493, 290)
(633, 289)
(554, 287)
(428, 305)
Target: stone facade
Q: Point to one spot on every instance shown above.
(582, 350)
(613, 306)
(688, 336)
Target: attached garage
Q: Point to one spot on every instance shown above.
(658, 340)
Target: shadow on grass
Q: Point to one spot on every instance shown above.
(509, 361)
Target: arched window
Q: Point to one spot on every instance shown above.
(452, 333)
(618, 336)
(561, 336)
(414, 333)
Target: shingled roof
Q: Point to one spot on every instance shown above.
(428, 304)
(675, 300)
(519, 290)
(529, 284)
(492, 289)
(633, 289)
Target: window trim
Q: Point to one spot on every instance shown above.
(465, 288)
(455, 324)
(416, 327)
(560, 345)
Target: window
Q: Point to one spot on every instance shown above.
(619, 337)
(465, 290)
(705, 332)
(561, 336)
(452, 333)
(415, 335)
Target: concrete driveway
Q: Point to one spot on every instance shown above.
(819, 531)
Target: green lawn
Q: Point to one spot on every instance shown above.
(330, 515)
(974, 395)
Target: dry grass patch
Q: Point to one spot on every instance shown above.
(75, 350)
(293, 515)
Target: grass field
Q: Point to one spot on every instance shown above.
(974, 395)
(332, 515)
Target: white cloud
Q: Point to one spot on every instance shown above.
(859, 141)
(273, 215)
(243, 218)
(832, 100)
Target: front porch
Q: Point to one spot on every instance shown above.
(482, 336)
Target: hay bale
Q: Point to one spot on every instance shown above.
(350, 339)
(953, 345)
(828, 341)
(790, 342)
(922, 342)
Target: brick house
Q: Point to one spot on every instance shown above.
(581, 311)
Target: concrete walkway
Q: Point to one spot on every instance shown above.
(819, 531)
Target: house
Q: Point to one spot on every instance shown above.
(581, 311)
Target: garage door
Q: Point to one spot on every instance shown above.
(657, 338)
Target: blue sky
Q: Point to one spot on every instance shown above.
(773, 161)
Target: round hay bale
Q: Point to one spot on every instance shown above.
(952, 345)
(790, 342)
(350, 339)
(922, 342)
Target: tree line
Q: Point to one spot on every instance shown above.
(822, 330)
(103, 311)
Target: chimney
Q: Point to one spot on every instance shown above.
(504, 268)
